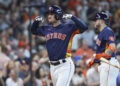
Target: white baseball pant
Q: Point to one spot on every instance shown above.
(108, 73)
(62, 74)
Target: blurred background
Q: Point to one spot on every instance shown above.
(14, 41)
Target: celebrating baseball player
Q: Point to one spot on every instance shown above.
(59, 37)
(105, 49)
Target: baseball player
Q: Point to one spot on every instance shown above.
(106, 49)
(58, 42)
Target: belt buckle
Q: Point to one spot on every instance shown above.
(64, 60)
(58, 62)
(55, 63)
(61, 61)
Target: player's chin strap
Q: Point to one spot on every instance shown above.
(107, 54)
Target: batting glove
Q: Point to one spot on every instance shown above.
(67, 16)
(39, 19)
(91, 63)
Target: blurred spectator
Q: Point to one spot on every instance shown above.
(118, 49)
(4, 59)
(21, 56)
(75, 42)
(42, 78)
(82, 10)
(84, 51)
(118, 58)
(9, 67)
(64, 5)
(72, 5)
(14, 80)
(88, 37)
(83, 67)
(103, 5)
(78, 78)
(2, 83)
(118, 78)
(93, 76)
(92, 8)
(24, 73)
(44, 60)
(3, 25)
(116, 25)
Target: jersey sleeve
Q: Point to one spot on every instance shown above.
(37, 30)
(78, 25)
(109, 37)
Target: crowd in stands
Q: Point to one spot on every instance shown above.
(15, 47)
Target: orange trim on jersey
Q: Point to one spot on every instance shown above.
(68, 53)
(106, 46)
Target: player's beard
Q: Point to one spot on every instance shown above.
(97, 29)
(53, 22)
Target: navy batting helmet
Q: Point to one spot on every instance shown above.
(104, 15)
(101, 15)
(56, 10)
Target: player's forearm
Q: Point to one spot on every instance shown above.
(108, 52)
(110, 49)
(79, 23)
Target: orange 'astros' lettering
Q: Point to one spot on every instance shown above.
(48, 37)
(59, 35)
(63, 36)
(51, 35)
(55, 36)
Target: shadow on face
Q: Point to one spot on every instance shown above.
(51, 18)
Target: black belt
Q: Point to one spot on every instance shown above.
(110, 58)
(57, 62)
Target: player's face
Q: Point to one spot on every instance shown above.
(97, 24)
(51, 18)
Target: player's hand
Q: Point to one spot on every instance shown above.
(91, 63)
(67, 16)
(39, 19)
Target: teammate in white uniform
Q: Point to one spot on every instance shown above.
(106, 49)
(58, 43)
